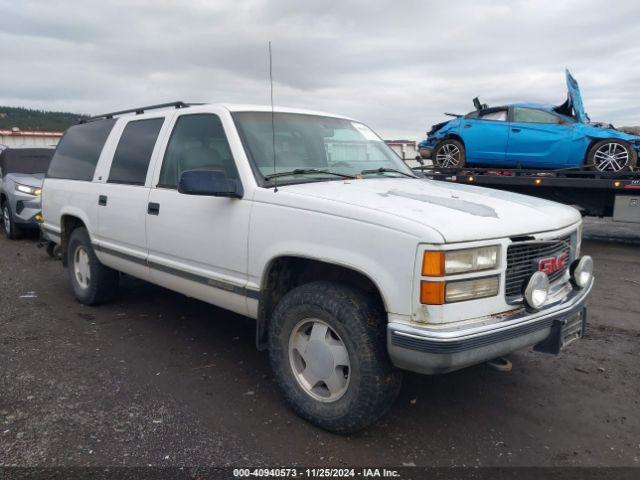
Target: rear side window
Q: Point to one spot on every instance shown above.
(79, 150)
(530, 115)
(133, 153)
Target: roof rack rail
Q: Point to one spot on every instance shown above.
(139, 110)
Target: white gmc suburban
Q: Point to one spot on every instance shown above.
(353, 266)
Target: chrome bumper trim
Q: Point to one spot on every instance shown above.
(437, 351)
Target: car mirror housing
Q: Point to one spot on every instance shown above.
(212, 183)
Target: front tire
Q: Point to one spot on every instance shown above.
(612, 155)
(11, 230)
(92, 282)
(449, 153)
(327, 346)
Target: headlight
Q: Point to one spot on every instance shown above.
(439, 263)
(438, 293)
(582, 271)
(28, 190)
(537, 290)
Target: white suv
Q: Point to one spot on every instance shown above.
(352, 265)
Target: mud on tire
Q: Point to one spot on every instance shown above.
(355, 319)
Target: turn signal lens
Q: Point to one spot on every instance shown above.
(433, 264)
(432, 293)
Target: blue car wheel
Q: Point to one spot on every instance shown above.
(612, 155)
(449, 153)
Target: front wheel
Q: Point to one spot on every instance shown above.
(612, 156)
(449, 153)
(327, 346)
(92, 282)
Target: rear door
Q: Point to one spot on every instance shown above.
(485, 136)
(122, 198)
(538, 139)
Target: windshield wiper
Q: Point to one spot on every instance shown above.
(305, 171)
(385, 170)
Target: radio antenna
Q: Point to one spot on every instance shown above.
(273, 125)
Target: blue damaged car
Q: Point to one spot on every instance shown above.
(531, 135)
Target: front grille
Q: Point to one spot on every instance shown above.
(522, 262)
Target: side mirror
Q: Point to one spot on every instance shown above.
(212, 183)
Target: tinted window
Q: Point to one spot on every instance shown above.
(530, 115)
(79, 150)
(133, 153)
(197, 142)
(25, 160)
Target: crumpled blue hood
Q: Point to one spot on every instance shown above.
(575, 97)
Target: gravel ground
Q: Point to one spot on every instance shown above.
(159, 379)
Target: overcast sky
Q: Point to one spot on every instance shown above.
(397, 65)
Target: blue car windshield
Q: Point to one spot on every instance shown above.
(313, 146)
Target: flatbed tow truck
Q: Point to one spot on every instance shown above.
(600, 194)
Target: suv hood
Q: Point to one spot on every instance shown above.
(30, 179)
(458, 212)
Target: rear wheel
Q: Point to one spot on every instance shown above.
(449, 153)
(92, 282)
(612, 156)
(9, 227)
(327, 346)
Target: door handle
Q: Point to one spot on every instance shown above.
(515, 130)
(153, 208)
(102, 200)
(467, 125)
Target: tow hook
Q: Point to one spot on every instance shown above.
(500, 364)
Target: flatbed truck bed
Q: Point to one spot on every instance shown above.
(601, 194)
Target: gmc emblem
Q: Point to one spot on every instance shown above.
(553, 264)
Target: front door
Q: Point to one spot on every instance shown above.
(198, 244)
(485, 137)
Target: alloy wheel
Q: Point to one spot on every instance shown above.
(611, 157)
(319, 360)
(6, 220)
(448, 156)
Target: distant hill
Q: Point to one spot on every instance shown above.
(632, 130)
(38, 120)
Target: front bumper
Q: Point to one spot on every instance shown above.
(440, 350)
(25, 208)
(425, 152)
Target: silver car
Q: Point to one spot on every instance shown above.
(22, 172)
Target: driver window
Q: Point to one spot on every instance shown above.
(198, 142)
(530, 115)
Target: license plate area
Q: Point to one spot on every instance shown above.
(564, 332)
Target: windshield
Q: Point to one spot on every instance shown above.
(314, 148)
